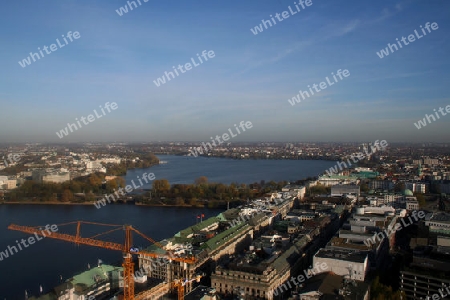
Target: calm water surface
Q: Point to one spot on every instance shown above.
(43, 262)
(183, 169)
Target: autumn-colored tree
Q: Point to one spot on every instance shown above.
(421, 199)
(179, 201)
(120, 181)
(111, 186)
(221, 189)
(67, 196)
(364, 187)
(193, 201)
(76, 187)
(380, 291)
(161, 186)
(95, 180)
(201, 180)
(90, 197)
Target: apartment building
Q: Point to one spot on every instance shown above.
(95, 283)
(50, 175)
(345, 189)
(253, 276)
(417, 187)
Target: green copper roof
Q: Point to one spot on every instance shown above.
(87, 279)
(224, 236)
(198, 227)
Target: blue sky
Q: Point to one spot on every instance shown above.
(250, 78)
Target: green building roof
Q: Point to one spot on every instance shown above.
(367, 174)
(198, 227)
(88, 278)
(224, 236)
(352, 176)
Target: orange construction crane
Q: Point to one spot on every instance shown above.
(127, 248)
(180, 284)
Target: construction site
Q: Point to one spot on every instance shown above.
(243, 252)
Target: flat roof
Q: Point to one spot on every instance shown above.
(345, 255)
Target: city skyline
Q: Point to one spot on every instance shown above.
(116, 58)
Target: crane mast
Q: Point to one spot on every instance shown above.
(125, 248)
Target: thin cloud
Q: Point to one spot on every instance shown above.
(352, 26)
(349, 27)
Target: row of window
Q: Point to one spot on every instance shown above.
(239, 276)
(438, 225)
(253, 291)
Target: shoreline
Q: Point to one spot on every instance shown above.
(87, 204)
(44, 203)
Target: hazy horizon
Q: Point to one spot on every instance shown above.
(251, 77)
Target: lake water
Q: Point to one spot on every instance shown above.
(45, 261)
(183, 169)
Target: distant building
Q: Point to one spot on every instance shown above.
(330, 180)
(340, 190)
(381, 185)
(7, 183)
(295, 191)
(332, 286)
(355, 264)
(367, 174)
(412, 204)
(417, 187)
(43, 176)
(418, 285)
(95, 166)
(110, 160)
(438, 223)
(393, 199)
(431, 161)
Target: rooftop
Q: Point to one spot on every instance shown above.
(345, 255)
(329, 284)
(91, 277)
(438, 217)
